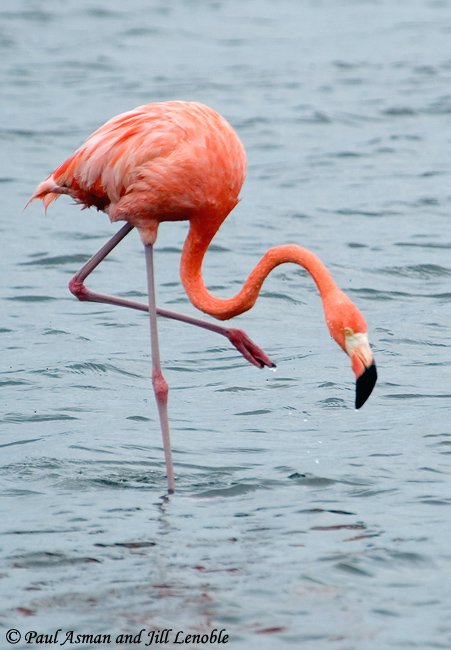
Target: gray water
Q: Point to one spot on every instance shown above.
(298, 521)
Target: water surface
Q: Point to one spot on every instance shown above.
(297, 522)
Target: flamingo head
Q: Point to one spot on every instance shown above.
(348, 327)
(359, 351)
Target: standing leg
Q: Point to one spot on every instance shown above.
(237, 337)
(160, 385)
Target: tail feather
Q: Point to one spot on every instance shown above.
(47, 191)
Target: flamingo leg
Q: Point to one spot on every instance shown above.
(160, 385)
(243, 343)
(252, 352)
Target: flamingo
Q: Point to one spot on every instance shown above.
(174, 161)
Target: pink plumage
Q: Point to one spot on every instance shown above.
(161, 161)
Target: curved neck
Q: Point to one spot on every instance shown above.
(196, 245)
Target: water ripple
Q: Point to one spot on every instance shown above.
(20, 418)
(47, 560)
(57, 260)
(424, 271)
(98, 368)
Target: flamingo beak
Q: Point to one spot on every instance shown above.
(365, 384)
(359, 350)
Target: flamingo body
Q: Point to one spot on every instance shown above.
(160, 162)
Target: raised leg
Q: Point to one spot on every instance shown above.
(160, 385)
(251, 352)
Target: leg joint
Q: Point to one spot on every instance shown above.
(160, 387)
(77, 287)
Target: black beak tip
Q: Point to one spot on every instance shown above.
(364, 385)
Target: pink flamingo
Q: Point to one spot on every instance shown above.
(177, 161)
